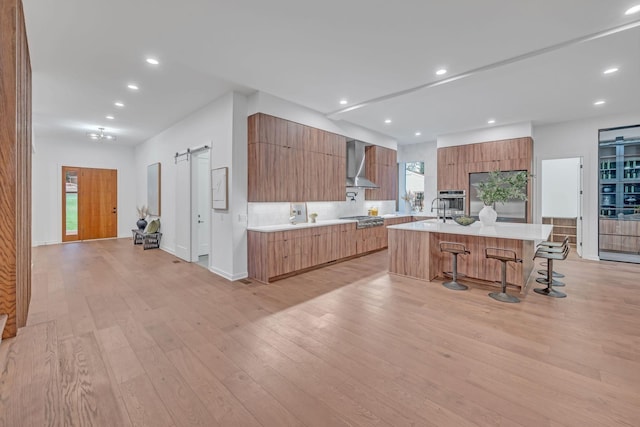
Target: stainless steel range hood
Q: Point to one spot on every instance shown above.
(356, 166)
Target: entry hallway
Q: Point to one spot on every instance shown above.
(118, 336)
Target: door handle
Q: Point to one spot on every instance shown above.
(200, 222)
(115, 210)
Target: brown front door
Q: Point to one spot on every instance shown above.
(89, 203)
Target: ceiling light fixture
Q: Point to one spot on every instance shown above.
(343, 102)
(387, 121)
(101, 135)
(599, 102)
(610, 70)
(632, 10)
(418, 133)
(491, 121)
(152, 61)
(441, 72)
(133, 86)
(109, 117)
(118, 104)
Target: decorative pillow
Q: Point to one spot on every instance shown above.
(153, 226)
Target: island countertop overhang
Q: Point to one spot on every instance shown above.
(502, 230)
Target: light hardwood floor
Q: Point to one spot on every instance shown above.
(118, 336)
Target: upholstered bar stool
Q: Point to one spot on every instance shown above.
(550, 254)
(551, 245)
(454, 249)
(557, 248)
(504, 256)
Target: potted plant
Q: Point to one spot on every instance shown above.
(409, 199)
(313, 216)
(143, 213)
(498, 188)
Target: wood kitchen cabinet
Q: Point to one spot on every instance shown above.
(456, 163)
(382, 169)
(289, 161)
(273, 255)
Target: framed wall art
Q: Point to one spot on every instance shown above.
(219, 188)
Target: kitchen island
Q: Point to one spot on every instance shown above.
(414, 250)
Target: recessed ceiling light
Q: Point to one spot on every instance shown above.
(610, 70)
(118, 104)
(387, 121)
(132, 86)
(343, 102)
(441, 71)
(632, 10)
(152, 61)
(491, 121)
(418, 133)
(599, 102)
(109, 117)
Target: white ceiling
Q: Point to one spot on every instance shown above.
(84, 52)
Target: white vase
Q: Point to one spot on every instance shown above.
(488, 215)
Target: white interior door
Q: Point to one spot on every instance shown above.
(183, 208)
(204, 204)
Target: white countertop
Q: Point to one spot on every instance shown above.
(396, 215)
(502, 230)
(286, 227)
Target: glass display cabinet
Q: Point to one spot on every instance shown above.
(619, 194)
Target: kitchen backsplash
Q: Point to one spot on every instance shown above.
(261, 214)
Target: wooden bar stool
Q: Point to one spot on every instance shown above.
(454, 249)
(550, 254)
(504, 256)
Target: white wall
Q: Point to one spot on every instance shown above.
(48, 159)
(577, 138)
(426, 152)
(490, 133)
(559, 187)
(223, 125)
(261, 102)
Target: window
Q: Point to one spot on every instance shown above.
(411, 182)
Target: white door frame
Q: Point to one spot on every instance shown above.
(196, 193)
(187, 204)
(580, 190)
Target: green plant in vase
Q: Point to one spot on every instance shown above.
(500, 187)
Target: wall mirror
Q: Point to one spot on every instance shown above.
(153, 189)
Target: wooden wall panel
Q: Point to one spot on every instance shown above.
(15, 167)
(409, 254)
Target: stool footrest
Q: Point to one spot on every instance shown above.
(554, 282)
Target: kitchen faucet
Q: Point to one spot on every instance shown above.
(442, 202)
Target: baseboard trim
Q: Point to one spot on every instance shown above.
(45, 243)
(230, 277)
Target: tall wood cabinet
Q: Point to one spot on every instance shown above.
(15, 167)
(289, 161)
(382, 169)
(457, 162)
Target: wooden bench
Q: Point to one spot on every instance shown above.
(148, 240)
